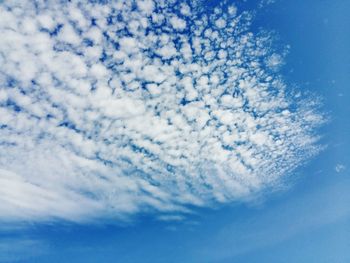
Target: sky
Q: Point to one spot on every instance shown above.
(174, 131)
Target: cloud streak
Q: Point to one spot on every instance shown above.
(109, 109)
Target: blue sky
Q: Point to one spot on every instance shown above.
(136, 202)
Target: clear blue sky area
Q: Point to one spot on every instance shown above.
(306, 221)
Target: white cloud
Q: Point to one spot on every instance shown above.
(178, 23)
(339, 168)
(264, 3)
(108, 110)
(274, 61)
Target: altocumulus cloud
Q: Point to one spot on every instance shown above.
(112, 108)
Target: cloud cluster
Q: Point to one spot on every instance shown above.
(110, 108)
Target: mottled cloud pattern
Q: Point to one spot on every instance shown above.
(108, 109)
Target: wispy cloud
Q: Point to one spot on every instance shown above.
(109, 109)
(268, 227)
(21, 249)
(339, 168)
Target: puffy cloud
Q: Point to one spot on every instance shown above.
(107, 110)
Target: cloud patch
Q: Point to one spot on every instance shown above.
(109, 109)
(339, 168)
